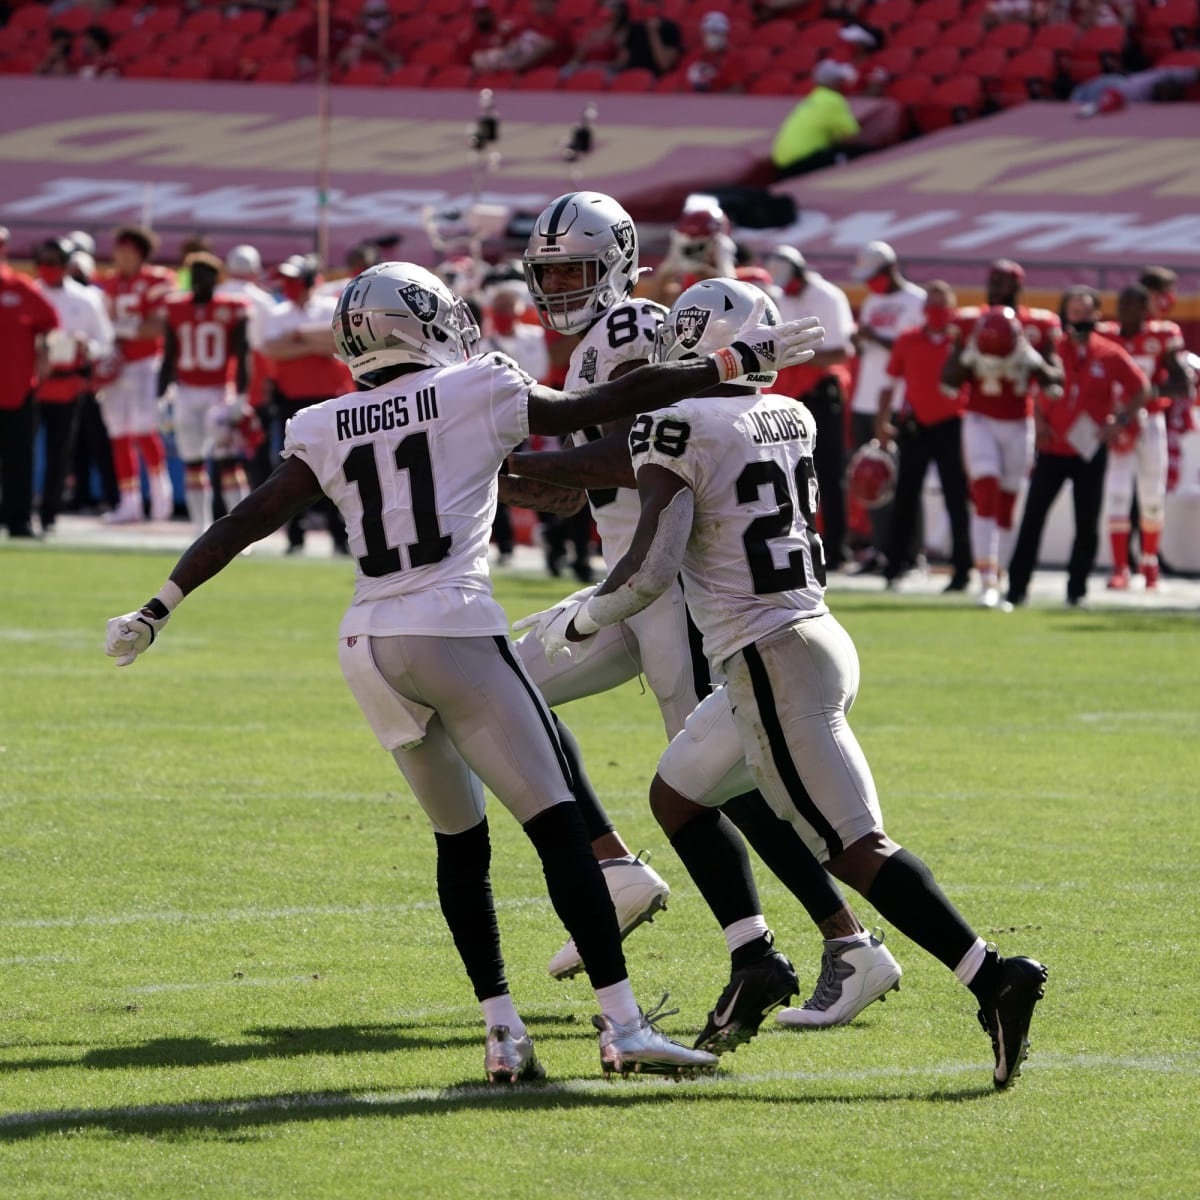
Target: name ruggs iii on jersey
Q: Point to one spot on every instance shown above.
(390, 412)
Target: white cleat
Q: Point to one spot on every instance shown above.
(637, 892)
(643, 1049)
(989, 597)
(127, 512)
(507, 1059)
(853, 975)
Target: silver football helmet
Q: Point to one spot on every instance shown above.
(712, 314)
(593, 231)
(396, 313)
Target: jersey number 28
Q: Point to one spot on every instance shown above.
(801, 491)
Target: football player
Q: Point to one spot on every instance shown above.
(206, 334)
(582, 263)
(998, 431)
(129, 397)
(411, 459)
(728, 494)
(1140, 454)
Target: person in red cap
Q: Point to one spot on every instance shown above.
(26, 317)
(998, 430)
(129, 400)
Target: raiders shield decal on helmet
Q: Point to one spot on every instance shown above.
(690, 324)
(422, 303)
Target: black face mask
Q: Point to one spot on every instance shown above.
(1081, 328)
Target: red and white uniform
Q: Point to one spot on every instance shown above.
(203, 332)
(1140, 457)
(998, 424)
(130, 401)
(86, 334)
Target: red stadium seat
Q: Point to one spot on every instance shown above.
(910, 89)
(1058, 38)
(282, 70)
(420, 27)
(192, 66)
(781, 34)
(940, 62)
(206, 21)
(895, 60)
(756, 58)
(160, 20)
(1037, 70)
(967, 34)
(987, 65)
(587, 79)
(19, 64)
(363, 74)
(441, 52)
(891, 13)
(672, 81)
(264, 48)
(920, 35)
(148, 66)
(288, 24)
(1097, 52)
(246, 23)
(176, 45)
(33, 16)
(498, 81)
(1180, 58)
(11, 40)
(773, 83)
(76, 20)
(116, 20)
(944, 12)
(450, 76)
(1011, 36)
(823, 34)
(540, 79)
(636, 79)
(221, 45)
(131, 46)
(952, 102)
(411, 75)
(1170, 25)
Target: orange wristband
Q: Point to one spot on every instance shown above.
(728, 363)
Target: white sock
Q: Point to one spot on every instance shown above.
(500, 1010)
(970, 963)
(743, 931)
(616, 1001)
(862, 936)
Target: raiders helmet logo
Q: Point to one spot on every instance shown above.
(623, 235)
(422, 303)
(690, 324)
(588, 367)
(356, 319)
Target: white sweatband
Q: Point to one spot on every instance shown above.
(169, 595)
(656, 571)
(583, 623)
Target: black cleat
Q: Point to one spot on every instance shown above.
(750, 994)
(1008, 1012)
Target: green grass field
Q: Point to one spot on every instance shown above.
(223, 971)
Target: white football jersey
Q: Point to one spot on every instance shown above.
(624, 334)
(412, 468)
(753, 563)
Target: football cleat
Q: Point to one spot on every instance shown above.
(989, 597)
(1118, 581)
(853, 975)
(750, 994)
(1150, 573)
(507, 1059)
(637, 894)
(1008, 1012)
(642, 1048)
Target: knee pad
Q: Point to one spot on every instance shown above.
(985, 495)
(1006, 506)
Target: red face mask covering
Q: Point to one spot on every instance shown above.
(51, 276)
(879, 284)
(503, 323)
(938, 317)
(1163, 302)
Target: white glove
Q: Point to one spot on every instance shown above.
(763, 348)
(130, 635)
(550, 625)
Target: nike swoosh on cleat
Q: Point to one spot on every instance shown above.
(726, 1014)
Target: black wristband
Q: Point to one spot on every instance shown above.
(157, 609)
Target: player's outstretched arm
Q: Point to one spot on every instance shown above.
(541, 497)
(291, 488)
(759, 349)
(603, 463)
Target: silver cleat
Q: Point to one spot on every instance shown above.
(637, 892)
(853, 975)
(643, 1049)
(511, 1060)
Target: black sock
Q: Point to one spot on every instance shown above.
(465, 892)
(578, 891)
(752, 952)
(783, 850)
(716, 859)
(595, 819)
(908, 896)
(987, 978)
